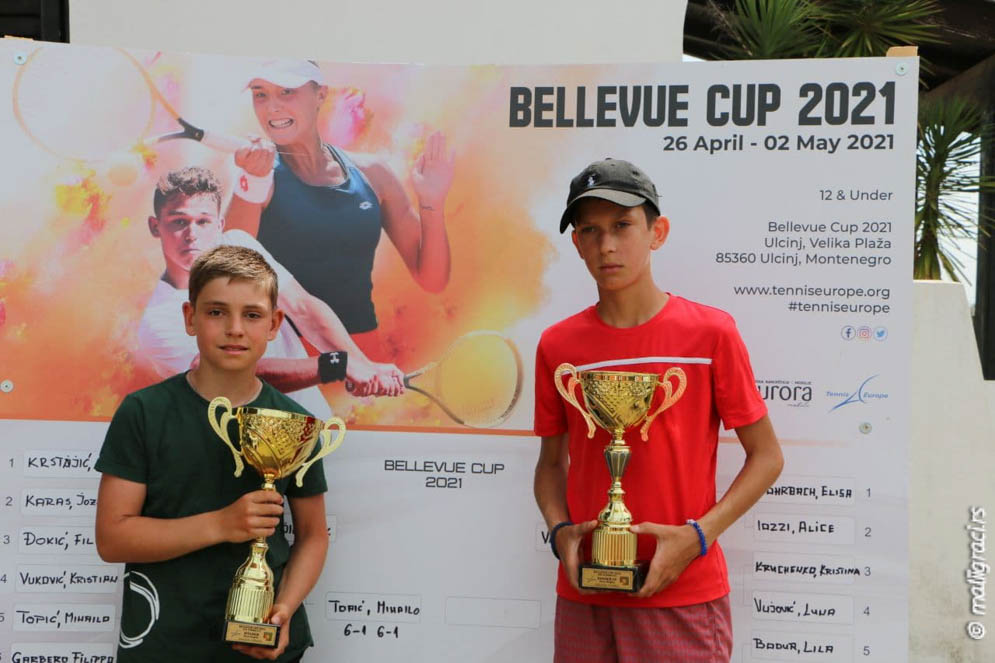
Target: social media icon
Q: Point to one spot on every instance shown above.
(880, 333)
(848, 332)
(864, 333)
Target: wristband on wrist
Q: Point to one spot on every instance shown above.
(252, 188)
(552, 536)
(701, 536)
(331, 366)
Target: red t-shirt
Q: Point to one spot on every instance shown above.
(671, 477)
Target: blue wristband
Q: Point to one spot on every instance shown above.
(552, 536)
(701, 536)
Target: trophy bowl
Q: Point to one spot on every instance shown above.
(275, 442)
(617, 399)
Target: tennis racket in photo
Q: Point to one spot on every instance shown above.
(476, 382)
(87, 103)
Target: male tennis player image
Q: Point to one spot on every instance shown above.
(320, 211)
(186, 220)
(682, 612)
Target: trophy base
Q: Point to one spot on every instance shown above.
(614, 578)
(248, 633)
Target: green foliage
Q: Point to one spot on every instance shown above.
(951, 132)
(868, 28)
(768, 29)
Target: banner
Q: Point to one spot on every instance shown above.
(789, 186)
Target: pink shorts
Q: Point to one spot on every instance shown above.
(700, 633)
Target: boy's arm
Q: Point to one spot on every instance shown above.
(124, 535)
(367, 379)
(243, 215)
(307, 557)
(319, 324)
(550, 487)
(760, 469)
(678, 545)
(288, 375)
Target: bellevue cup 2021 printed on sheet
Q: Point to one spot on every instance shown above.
(790, 190)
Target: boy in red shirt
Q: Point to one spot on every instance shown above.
(682, 611)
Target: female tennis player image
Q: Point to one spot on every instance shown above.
(332, 170)
(320, 211)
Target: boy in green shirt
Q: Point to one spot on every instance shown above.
(169, 504)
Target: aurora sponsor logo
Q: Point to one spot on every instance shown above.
(793, 393)
(864, 394)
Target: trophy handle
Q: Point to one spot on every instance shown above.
(327, 446)
(669, 396)
(568, 392)
(221, 428)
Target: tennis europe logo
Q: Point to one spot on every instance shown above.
(862, 394)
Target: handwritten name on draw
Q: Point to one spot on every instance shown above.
(803, 528)
(57, 540)
(47, 502)
(794, 606)
(58, 463)
(374, 610)
(33, 653)
(84, 579)
(67, 617)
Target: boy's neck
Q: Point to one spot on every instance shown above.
(177, 276)
(240, 388)
(631, 307)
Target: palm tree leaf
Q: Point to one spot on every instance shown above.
(765, 29)
(951, 132)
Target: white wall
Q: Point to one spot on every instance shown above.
(951, 463)
(429, 31)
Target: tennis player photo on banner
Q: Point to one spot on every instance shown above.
(412, 215)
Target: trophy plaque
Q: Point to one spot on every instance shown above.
(616, 401)
(275, 443)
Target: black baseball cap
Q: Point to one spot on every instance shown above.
(614, 180)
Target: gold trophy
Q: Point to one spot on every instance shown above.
(617, 400)
(276, 443)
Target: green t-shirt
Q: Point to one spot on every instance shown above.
(174, 610)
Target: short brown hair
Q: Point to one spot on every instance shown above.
(232, 262)
(189, 181)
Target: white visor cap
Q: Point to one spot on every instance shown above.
(287, 73)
